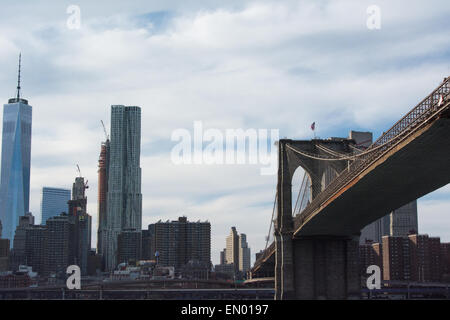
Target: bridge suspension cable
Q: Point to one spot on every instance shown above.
(299, 193)
(271, 220)
(300, 204)
(371, 149)
(332, 152)
(303, 203)
(356, 148)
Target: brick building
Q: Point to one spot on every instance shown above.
(370, 253)
(417, 257)
(129, 246)
(395, 258)
(178, 242)
(4, 255)
(425, 254)
(10, 280)
(36, 248)
(60, 235)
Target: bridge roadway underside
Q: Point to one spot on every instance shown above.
(415, 167)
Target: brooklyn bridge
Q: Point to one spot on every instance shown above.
(314, 254)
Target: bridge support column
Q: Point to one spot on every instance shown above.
(326, 268)
(284, 260)
(277, 274)
(284, 267)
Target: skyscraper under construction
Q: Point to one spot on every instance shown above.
(103, 173)
(82, 222)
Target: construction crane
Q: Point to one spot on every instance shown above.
(79, 172)
(104, 129)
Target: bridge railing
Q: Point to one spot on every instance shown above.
(428, 107)
(417, 114)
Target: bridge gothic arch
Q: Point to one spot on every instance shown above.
(307, 155)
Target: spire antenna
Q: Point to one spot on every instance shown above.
(18, 78)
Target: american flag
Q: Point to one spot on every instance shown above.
(313, 126)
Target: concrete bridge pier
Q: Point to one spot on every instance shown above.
(326, 267)
(317, 267)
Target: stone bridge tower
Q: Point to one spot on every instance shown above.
(322, 266)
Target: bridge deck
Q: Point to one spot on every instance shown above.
(412, 168)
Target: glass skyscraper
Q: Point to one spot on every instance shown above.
(53, 202)
(124, 199)
(15, 163)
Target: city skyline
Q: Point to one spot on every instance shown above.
(58, 148)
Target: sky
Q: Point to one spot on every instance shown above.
(229, 64)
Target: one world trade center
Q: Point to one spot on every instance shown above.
(15, 163)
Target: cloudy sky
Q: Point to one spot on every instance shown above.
(230, 64)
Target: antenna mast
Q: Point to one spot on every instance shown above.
(18, 78)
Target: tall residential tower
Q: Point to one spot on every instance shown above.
(124, 199)
(15, 165)
(237, 252)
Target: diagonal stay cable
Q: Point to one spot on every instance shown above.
(271, 220)
(332, 152)
(299, 192)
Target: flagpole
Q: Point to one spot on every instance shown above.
(313, 128)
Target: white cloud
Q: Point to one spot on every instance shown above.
(434, 218)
